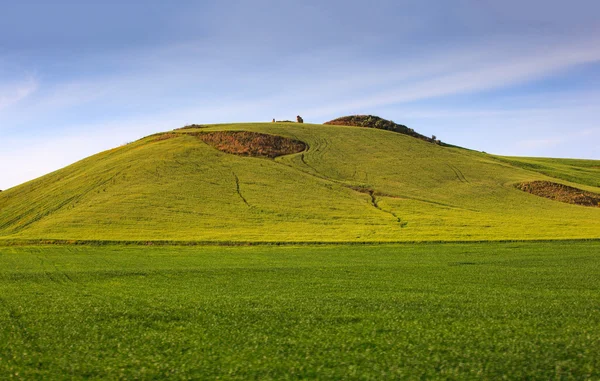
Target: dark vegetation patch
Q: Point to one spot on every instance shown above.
(189, 126)
(371, 121)
(245, 143)
(462, 263)
(560, 192)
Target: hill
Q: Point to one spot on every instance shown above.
(325, 183)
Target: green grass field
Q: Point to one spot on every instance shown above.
(426, 311)
(184, 190)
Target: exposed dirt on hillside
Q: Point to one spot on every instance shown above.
(371, 121)
(560, 192)
(245, 143)
(375, 202)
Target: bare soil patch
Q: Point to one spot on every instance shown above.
(560, 192)
(245, 143)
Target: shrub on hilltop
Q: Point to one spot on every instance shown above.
(371, 121)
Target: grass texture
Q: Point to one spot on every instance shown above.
(426, 311)
(351, 185)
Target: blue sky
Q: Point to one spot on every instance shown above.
(506, 77)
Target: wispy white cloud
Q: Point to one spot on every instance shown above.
(507, 68)
(13, 93)
(590, 132)
(539, 143)
(320, 85)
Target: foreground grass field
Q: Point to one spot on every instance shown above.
(453, 311)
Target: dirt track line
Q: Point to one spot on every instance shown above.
(455, 173)
(431, 202)
(47, 273)
(71, 200)
(376, 205)
(63, 273)
(461, 174)
(458, 173)
(237, 189)
(371, 192)
(314, 169)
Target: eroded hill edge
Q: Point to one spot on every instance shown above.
(246, 143)
(560, 192)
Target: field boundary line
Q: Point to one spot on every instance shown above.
(59, 242)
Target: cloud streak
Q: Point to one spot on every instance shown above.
(11, 94)
(502, 70)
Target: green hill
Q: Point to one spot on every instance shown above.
(349, 184)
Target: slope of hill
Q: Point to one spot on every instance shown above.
(575, 170)
(350, 184)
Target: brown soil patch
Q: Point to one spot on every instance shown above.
(371, 121)
(560, 192)
(245, 143)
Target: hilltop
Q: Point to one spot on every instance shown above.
(288, 182)
(371, 121)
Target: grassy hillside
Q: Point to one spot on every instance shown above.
(574, 170)
(352, 184)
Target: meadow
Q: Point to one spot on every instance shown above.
(408, 311)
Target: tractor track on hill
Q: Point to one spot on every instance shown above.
(370, 192)
(302, 158)
(56, 208)
(459, 175)
(237, 189)
(449, 206)
(48, 274)
(63, 273)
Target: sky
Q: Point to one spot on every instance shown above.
(505, 77)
